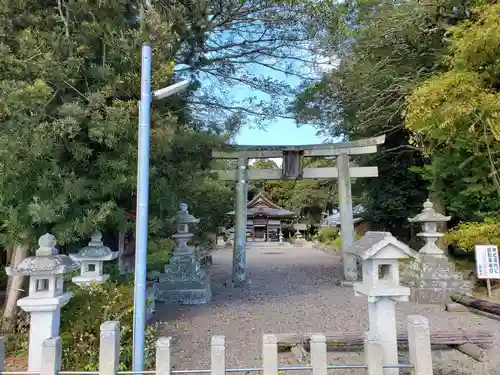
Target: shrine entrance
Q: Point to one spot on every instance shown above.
(292, 169)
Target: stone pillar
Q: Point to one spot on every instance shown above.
(349, 264)
(46, 294)
(382, 322)
(240, 272)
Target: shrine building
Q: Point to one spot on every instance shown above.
(264, 219)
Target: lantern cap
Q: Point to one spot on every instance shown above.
(428, 214)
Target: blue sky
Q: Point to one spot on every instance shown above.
(278, 132)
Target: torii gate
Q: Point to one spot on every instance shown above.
(292, 170)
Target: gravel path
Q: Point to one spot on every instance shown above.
(293, 290)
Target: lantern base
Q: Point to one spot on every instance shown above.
(183, 283)
(434, 279)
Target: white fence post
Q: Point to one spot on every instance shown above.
(109, 348)
(318, 354)
(373, 354)
(419, 344)
(163, 356)
(270, 355)
(2, 354)
(218, 358)
(51, 356)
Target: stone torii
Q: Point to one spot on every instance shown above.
(292, 169)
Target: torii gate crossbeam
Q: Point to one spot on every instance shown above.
(292, 170)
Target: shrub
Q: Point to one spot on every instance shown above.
(159, 253)
(82, 317)
(328, 234)
(467, 234)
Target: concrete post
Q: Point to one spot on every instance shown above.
(318, 354)
(109, 348)
(419, 345)
(51, 354)
(163, 356)
(382, 322)
(373, 354)
(269, 355)
(240, 272)
(346, 217)
(218, 355)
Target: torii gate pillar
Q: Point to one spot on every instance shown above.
(292, 169)
(240, 273)
(349, 264)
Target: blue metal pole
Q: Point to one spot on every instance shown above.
(141, 226)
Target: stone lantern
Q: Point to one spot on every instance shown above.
(379, 254)
(46, 295)
(92, 258)
(184, 281)
(430, 219)
(432, 277)
(230, 237)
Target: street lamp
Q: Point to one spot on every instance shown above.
(141, 226)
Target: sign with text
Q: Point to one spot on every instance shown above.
(487, 262)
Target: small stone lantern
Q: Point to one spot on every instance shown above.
(230, 237)
(184, 281)
(379, 254)
(46, 295)
(92, 258)
(429, 219)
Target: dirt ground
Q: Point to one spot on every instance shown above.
(293, 289)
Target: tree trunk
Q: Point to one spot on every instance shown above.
(15, 284)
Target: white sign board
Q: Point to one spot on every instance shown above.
(487, 262)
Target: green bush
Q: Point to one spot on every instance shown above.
(82, 317)
(328, 234)
(337, 242)
(467, 234)
(159, 253)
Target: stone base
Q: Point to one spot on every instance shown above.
(433, 280)
(183, 283)
(435, 296)
(299, 242)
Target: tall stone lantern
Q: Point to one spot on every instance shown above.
(433, 277)
(184, 281)
(429, 219)
(92, 258)
(46, 295)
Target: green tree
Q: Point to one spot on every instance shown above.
(455, 117)
(384, 49)
(69, 84)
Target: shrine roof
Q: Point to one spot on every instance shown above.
(260, 205)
